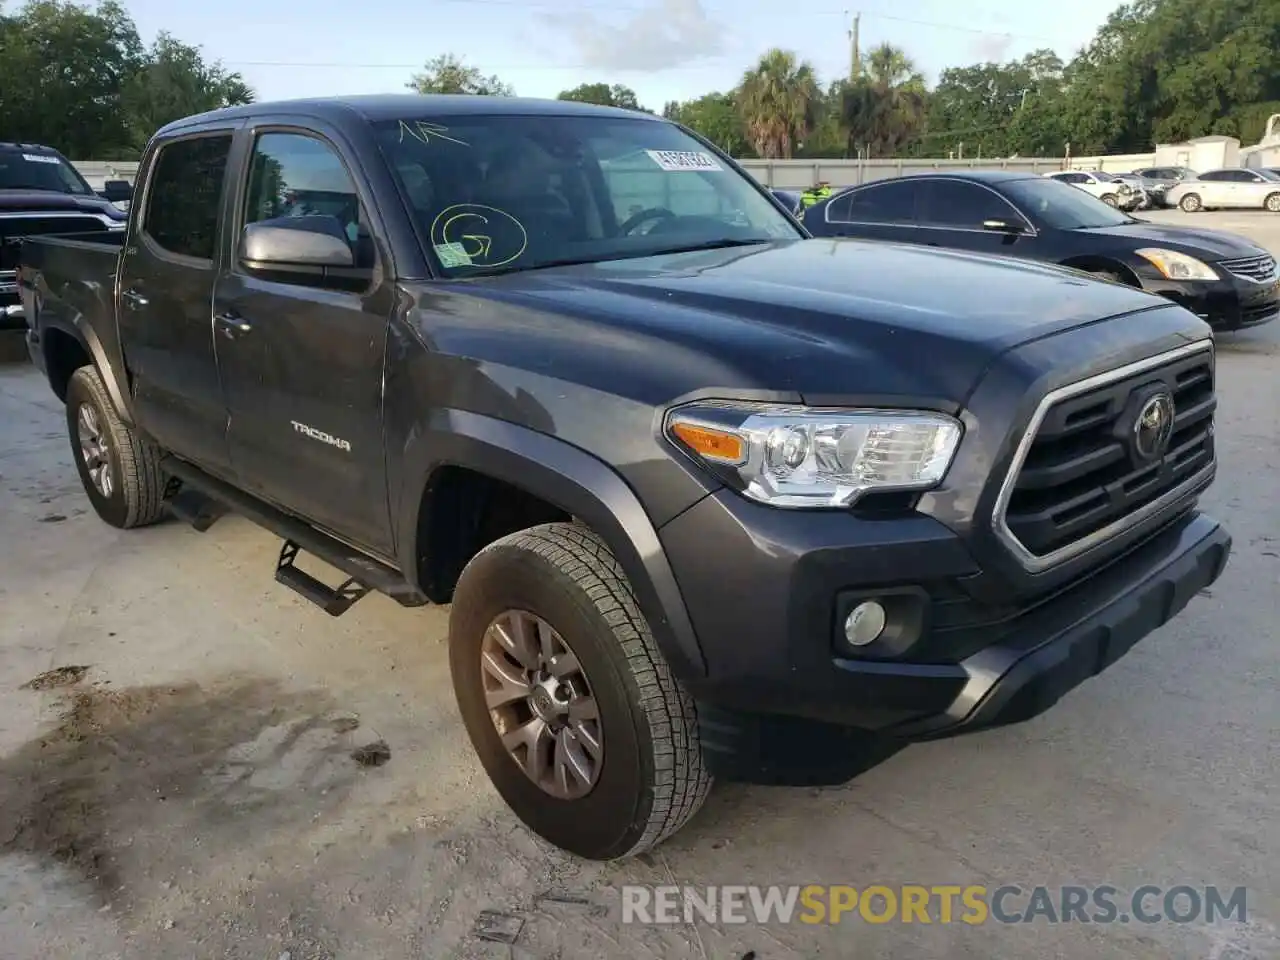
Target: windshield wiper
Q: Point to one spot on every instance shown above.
(722, 242)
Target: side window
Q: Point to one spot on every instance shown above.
(1214, 176)
(890, 202)
(295, 175)
(1074, 178)
(185, 194)
(950, 203)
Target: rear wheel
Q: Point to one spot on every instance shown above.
(1272, 203)
(570, 706)
(1190, 203)
(1110, 199)
(120, 470)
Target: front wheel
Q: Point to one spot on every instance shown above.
(119, 468)
(1272, 203)
(570, 706)
(1110, 199)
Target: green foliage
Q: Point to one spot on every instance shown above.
(716, 116)
(604, 95)
(82, 81)
(448, 74)
(778, 100)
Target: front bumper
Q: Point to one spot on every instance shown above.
(1228, 304)
(768, 617)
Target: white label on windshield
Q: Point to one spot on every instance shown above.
(38, 158)
(453, 255)
(676, 160)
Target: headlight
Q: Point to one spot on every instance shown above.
(1177, 266)
(790, 456)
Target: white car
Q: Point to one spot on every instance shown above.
(1107, 187)
(1233, 187)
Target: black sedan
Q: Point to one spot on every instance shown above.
(1225, 279)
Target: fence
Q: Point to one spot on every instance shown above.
(798, 174)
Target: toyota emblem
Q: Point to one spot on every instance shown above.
(1153, 426)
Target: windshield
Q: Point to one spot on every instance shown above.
(498, 194)
(1062, 206)
(40, 171)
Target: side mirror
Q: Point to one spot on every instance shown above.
(117, 191)
(1002, 226)
(307, 245)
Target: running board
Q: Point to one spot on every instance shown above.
(364, 573)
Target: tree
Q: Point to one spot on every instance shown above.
(715, 116)
(604, 95)
(173, 82)
(448, 74)
(883, 108)
(778, 99)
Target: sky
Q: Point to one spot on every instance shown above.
(662, 49)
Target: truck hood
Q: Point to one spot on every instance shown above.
(1205, 244)
(40, 201)
(822, 318)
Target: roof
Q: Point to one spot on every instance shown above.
(978, 176)
(1214, 138)
(29, 148)
(392, 106)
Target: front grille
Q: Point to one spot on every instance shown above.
(1261, 269)
(1080, 478)
(1260, 311)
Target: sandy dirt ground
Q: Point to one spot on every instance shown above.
(217, 769)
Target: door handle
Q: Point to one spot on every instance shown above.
(232, 325)
(133, 298)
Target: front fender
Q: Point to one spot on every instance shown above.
(575, 482)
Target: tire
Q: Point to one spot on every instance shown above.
(1272, 203)
(651, 775)
(132, 495)
(1110, 199)
(1190, 203)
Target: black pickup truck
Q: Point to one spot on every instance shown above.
(687, 475)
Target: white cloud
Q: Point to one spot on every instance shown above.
(666, 34)
(991, 47)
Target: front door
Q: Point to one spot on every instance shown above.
(963, 215)
(166, 288)
(302, 356)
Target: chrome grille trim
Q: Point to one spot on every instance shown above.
(1036, 563)
(1260, 269)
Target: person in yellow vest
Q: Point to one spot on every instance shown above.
(820, 191)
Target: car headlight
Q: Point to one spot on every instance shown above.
(1177, 266)
(794, 456)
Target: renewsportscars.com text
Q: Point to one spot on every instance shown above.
(943, 904)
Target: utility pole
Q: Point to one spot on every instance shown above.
(855, 61)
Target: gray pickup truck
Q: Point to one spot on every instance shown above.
(709, 496)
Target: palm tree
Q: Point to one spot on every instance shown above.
(778, 100)
(885, 106)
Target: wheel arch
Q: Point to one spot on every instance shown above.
(66, 347)
(1093, 263)
(558, 474)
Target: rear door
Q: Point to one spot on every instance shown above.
(302, 355)
(882, 211)
(166, 285)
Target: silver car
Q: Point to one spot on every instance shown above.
(1229, 188)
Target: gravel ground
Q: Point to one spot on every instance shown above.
(184, 785)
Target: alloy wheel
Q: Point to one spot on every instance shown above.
(95, 449)
(541, 704)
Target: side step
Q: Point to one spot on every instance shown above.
(364, 573)
(192, 506)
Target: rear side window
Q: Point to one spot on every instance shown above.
(946, 203)
(185, 195)
(892, 202)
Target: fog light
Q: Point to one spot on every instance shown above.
(865, 622)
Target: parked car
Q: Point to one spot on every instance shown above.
(1149, 195)
(791, 199)
(1107, 187)
(1229, 188)
(1219, 276)
(41, 192)
(1158, 180)
(694, 497)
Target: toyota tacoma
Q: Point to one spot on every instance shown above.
(687, 475)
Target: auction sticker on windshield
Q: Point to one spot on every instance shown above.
(676, 160)
(39, 158)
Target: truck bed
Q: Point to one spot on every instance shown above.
(75, 276)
